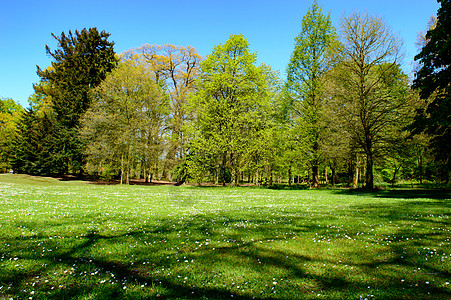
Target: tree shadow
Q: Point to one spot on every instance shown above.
(438, 194)
(293, 187)
(247, 246)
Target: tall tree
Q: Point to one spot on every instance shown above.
(228, 106)
(369, 69)
(311, 58)
(125, 124)
(80, 63)
(433, 80)
(175, 68)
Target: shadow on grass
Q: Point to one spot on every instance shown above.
(141, 272)
(294, 187)
(439, 194)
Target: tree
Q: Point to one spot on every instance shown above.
(9, 115)
(125, 124)
(368, 76)
(421, 36)
(81, 62)
(33, 148)
(265, 145)
(309, 62)
(433, 80)
(228, 109)
(175, 68)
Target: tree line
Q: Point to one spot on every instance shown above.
(346, 113)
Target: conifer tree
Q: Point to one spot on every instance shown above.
(308, 63)
(81, 62)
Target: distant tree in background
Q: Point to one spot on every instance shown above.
(9, 116)
(433, 80)
(81, 62)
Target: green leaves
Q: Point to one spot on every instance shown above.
(9, 115)
(124, 125)
(311, 59)
(433, 81)
(229, 106)
(80, 63)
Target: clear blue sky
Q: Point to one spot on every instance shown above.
(269, 25)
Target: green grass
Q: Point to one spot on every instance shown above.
(72, 240)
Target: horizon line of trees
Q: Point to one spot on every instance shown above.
(345, 114)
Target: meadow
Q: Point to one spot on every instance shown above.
(74, 240)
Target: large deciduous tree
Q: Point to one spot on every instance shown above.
(311, 58)
(175, 68)
(367, 78)
(125, 124)
(80, 63)
(433, 80)
(228, 106)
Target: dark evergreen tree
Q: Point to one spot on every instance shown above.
(25, 147)
(80, 63)
(433, 80)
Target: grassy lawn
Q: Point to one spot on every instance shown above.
(72, 240)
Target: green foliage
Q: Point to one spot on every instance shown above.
(368, 89)
(81, 61)
(125, 124)
(311, 58)
(33, 151)
(341, 114)
(9, 115)
(175, 68)
(433, 81)
(229, 107)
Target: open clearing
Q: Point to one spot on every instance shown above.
(72, 240)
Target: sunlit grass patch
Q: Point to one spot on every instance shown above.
(84, 241)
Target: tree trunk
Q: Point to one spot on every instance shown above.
(289, 175)
(356, 177)
(420, 168)
(235, 176)
(333, 176)
(144, 170)
(394, 175)
(315, 179)
(168, 164)
(122, 168)
(325, 176)
(128, 170)
(369, 180)
(223, 170)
